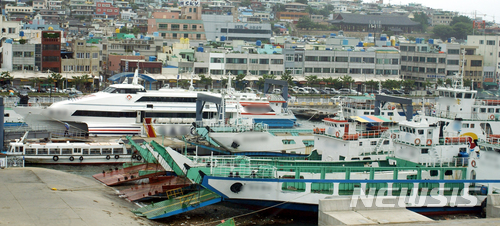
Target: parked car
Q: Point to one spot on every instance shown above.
(385, 91)
(302, 91)
(399, 92)
(27, 89)
(349, 91)
(277, 91)
(314, 91)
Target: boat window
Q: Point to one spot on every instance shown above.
(472, 126)
(85, 151)
(434, 173)
(66, 151)
(43, 151)
(448, 172)
(360, 143)
(54, 151)
(128, 91)
(168, 99)
(483, 110)
(424, 151)
(106, 151)
(77, 150)
(446, 94)
(95, 151)
(109, 90)
(390, 113)
(474, 109)
(386, 142)
(465, 125)
(373, 143)
(421, 132)
(383, 113)
(366, 113)
(323, 188)
(372, 113)
(342, 125)
(413, 130)
(288, 141)
(30, 151)
(491, 110)
(459, 95)
(497, 110)
(440, 93)
(462, 149)
(468, 95)
(117, 151)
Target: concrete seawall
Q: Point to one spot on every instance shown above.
(38, 196)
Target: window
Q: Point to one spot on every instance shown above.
(18, 54)
(431, 70)
(452, 62)
(422, 59)
(431, 60)
(216, 60)
(324, 59)
(311, 58)
(355, 71)
(12, 30)
(360, 143)
(476, 63)
(174, 27)
(186, 35)
(263, 61)
(308, 70)
(317, 70)
(29, 54)
(490, 42)
(395, 61)
(50, 58)
(254, 61)
(368, 60)
(87, 55)
(326, 70)
(404, 58)
(198, 36)
(441, 70)
(442, 60)
(453, 51)
(193, 27)
(340, 70)
(341, 59)
(185, 27)
(373, 143)
(481, 42)
(355, 60)
(288, 57)
(411, 49)
(404, 48)
(368, 71)
(276, 61)
(95, 55)
(163, 26)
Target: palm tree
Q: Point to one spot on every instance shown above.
(57, 78)
(239, 80)
(287, 76)
(207, 80)
(311, 79)
(371, 84)
(262, 80)
(347, 80)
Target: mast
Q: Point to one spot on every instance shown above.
(191, 87)
(229, 84)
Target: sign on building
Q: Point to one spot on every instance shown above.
(189, 3)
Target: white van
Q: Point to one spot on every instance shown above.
(27, 89)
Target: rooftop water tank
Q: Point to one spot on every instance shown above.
(431, 41)
(324, 36)
(360, 44)
(8, 41)
(449, 40)
(21, 34)
(152, 58)
(156, 34)
(370, 34)
(200, 49)
(222, 38)
(258, 43)
(345, 42)
(90, 35)
(382, 38)
(333, 34)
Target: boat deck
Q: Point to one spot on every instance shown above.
(156, 186)
(116, 176)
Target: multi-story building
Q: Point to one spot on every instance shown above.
(144, 47)
(473, 65)
(51, 51)
(53, 5)
(18, 57)
(19, 9)
(429, 62)
(217, 26)
(489, 48)
(82, 57)
(129, 14)
(375, 64)
(81, 8)
(149, 67)
(9, 29)
(442, 18)
(38, 5)
(106, 8)
(188, 24)
(357, 22)
(295, 7)
(290, 16)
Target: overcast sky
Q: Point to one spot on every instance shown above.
(489, 7)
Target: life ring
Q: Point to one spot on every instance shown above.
(71, 158)
(117, 156)
(55, 158)
(417, 141)
(337, 134)
(393, 136)
(129, 97)
(429, 142)
(388, 107)
(134, 156)
(139, 158)
(81, 158)
(473, 163)
(492, 117)
(107, 157)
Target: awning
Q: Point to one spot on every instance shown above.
(370, 118)
(490, 83)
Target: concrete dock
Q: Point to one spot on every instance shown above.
(38, 196)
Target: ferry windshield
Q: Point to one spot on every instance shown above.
(123, 90)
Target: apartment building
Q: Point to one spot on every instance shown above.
(51, 51)
(219, 64)
(217, 26)
(171, 25)
(81, 7)
(18, 9)
(82, 57)
(18, 57)
(442, 18)
(489, 48)
(106, 8)
(429, 62)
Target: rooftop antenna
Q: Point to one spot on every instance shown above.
(191, 87)
(229, 83)
(135, 80)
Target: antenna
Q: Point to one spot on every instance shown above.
(135, 81)
(191, 87)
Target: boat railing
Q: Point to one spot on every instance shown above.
(447, 162)
(242, 170)
(34, 99)
(11, 161)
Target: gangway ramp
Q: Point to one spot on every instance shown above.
(145, 153)
(158, 157)
(203, 132)
(174, 159)
(179, 204)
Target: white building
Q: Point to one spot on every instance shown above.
(488, 48)
(19, 9)
(128, 14)
(10, 29)
(18, 57)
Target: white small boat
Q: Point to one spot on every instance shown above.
(71, 152)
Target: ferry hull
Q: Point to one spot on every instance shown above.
(76, 160)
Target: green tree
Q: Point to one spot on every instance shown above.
(461, 30)
(373, 85)
(287, 76)
(81, 81)
(5, 78)
(206, 80)
(239, 80)
(302, 1)
(468, 83)
(449, 81)
(35, 82)
(305, 23)
(440, 82)
(57, 79)
(135, 30)
(279, 8)
(124, 30)
(460, 19)
(408, 84)
(422, 19)
(245, 3)
(184, 83)
(311, 80)
(442, 31)
(346, 80)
